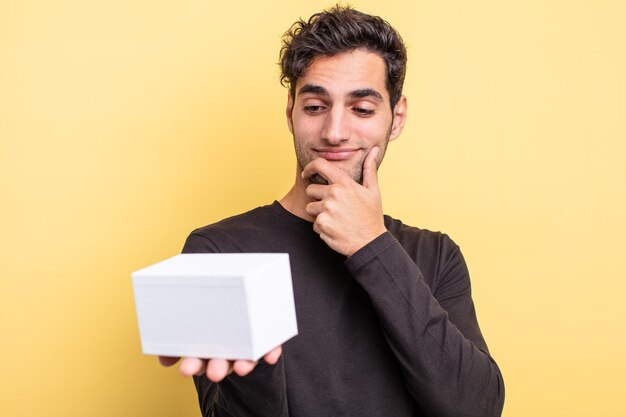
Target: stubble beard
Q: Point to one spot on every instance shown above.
(355, 171)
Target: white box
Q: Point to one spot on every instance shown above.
(232, 306)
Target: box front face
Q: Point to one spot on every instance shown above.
(204, 320)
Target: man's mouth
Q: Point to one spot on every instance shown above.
(339, 154)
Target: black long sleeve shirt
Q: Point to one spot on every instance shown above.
(389, 332)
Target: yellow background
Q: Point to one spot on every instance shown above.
(125, 124)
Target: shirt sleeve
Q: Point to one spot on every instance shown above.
(436, 339)
(262, 393)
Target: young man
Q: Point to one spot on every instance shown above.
(385, 317)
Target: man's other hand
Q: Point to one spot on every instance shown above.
(218, 369)
(347, 215)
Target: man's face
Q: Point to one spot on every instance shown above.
(341, 110)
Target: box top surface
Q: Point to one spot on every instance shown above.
(222, 264)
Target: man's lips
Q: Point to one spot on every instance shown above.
(337, 154)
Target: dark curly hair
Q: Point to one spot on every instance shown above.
(342, 29)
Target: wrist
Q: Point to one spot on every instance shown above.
(366, 241)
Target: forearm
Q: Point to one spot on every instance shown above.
(447, 374)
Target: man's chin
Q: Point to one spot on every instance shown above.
(318, 179)
(352, 170)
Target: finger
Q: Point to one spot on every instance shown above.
(314, 208)
(370, 169)
(217, 369)
(316, 191)
(316, 227)
(272, 356)
(320, 166)
(168, 360)
(243, 368)
(192, 366)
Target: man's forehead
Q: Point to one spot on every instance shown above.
(356, 73)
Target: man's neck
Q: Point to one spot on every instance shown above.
(295, 200)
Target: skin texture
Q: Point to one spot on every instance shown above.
(341, 103)
(341, 121)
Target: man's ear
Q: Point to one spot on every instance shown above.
(289, 112)
(399, 118)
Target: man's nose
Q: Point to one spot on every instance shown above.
(336, 126)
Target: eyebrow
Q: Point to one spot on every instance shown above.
(313, 89)
(321, 91)
(366, 92)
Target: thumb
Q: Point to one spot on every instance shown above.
(370, 170)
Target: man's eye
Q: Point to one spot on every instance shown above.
(363, 112)
(313, 109)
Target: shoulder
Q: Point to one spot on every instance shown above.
(435, 253)
(224, 235)
(253, 218)
(416, 238)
